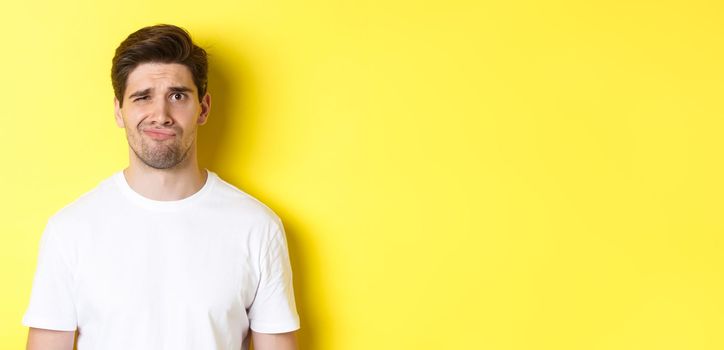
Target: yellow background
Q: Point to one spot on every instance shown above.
(452, 174)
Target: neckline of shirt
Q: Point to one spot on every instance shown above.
(137, 198)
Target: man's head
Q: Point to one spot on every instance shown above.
(161, 43)
(159, 79)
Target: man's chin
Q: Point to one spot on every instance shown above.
(157, 158)
(161, 164)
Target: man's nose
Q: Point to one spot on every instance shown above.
(161, 113)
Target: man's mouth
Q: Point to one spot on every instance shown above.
(159, 134)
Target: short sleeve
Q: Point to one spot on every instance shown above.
(51, 300)
(273, 309)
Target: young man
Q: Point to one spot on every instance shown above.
(162, 255)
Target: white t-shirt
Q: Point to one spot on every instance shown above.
(134, 273)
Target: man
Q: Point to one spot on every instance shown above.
(162, 255)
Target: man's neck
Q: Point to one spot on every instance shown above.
(165, 184)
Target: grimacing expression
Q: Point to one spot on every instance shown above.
(161, 113)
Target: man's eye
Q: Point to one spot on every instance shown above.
(140, 98)
(178, 96)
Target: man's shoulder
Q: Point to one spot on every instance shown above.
(88, 203)
(107, 199)
(242, 203)
(71, 218)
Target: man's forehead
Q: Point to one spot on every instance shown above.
(150, 75)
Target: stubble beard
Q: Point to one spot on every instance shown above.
(158, 154)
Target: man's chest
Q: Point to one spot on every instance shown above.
(153, 271)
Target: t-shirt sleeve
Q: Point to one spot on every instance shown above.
(273, 309)
(51, 300)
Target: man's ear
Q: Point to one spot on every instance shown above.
(117, 112)
(205, 109)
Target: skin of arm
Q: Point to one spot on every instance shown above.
(46, 339)
(280, 341)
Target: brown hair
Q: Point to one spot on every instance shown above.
(162, 43)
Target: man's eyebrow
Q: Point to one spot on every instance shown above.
(139, 93)
(179, 89)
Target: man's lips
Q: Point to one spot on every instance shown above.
(159, 134)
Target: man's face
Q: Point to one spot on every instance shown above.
(161, 112)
